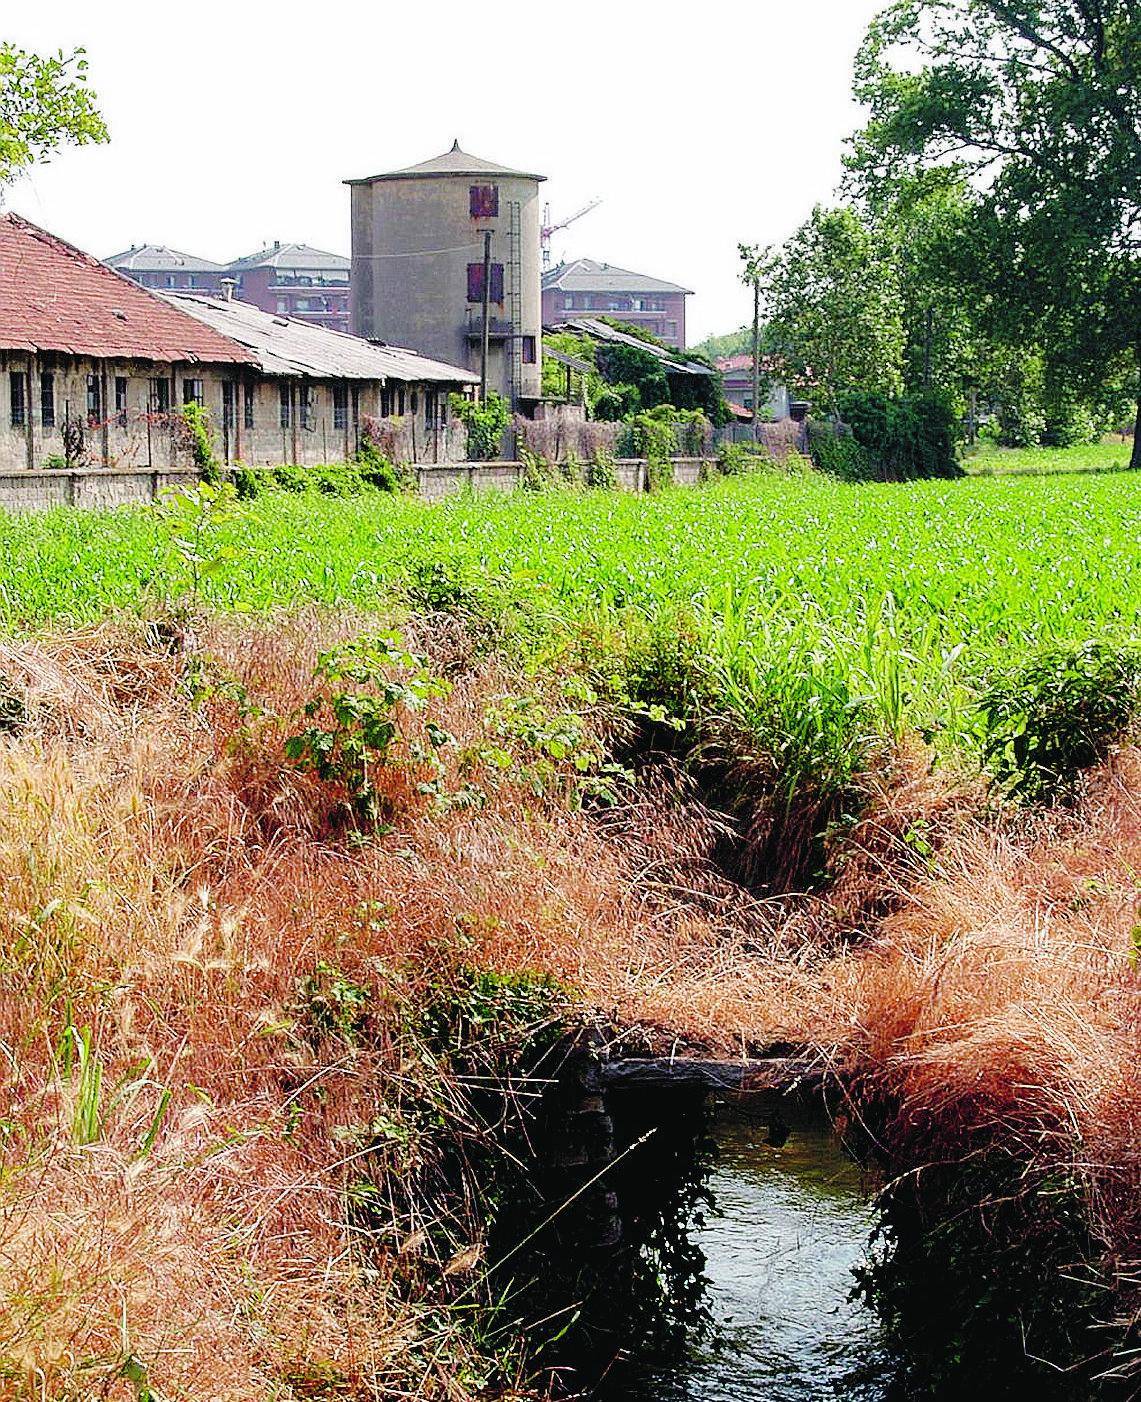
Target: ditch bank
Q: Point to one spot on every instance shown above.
(958, 1276)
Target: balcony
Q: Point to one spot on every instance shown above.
(498, 329)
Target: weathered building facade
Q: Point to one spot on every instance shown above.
(312, 390)
(95, 372)
(93, 367)
(418, 266)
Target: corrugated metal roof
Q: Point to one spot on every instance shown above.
(299, 256)
(588, 275)
(53, 297)
(603, 332)
(283, 346)
(453, 162)
(157, 258)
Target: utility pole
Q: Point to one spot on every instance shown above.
(485, 338)
(756, 359)
(758, 268)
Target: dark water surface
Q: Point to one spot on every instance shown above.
(790, 1224)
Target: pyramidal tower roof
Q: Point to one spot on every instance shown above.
(454, 162)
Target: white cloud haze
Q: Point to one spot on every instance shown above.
(234, 124)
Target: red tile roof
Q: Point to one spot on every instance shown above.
(55, 298)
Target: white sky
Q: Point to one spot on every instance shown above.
(233, 124)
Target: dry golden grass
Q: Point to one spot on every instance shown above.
(166, 890)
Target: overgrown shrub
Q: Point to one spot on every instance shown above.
(197, 429)
(908, 437)
(484, 422)
(391, 437)
(737, 459)
(374, 467)
(833, 448)
(1059, 714)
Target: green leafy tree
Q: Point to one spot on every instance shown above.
(1035, 103)
(835, 309)
(45, 103)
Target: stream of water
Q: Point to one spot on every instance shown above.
(790, 1225)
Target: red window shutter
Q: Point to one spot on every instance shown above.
(484, 201)
(497, 282)
(475, 282)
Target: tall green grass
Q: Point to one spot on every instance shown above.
(831, 607)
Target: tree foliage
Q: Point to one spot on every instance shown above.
(1034, 104)
(45, 103)
(835, 309)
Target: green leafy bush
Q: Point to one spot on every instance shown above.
(441, 586)
(1055, 716)
(375, 469)
(906, 437)
(197, 422)
(356, 726)
(834, 450)
(485, 423)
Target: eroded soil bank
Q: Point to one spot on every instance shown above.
(291, 947)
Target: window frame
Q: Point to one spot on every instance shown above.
(340, 404)
(94, 400)
(475, 284)
(483, 201)
(18, 398)
(47, 399)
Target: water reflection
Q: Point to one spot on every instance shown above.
(790, 1225)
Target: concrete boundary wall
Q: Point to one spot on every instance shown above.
(92, 487)
(630, 475)
(103, 487)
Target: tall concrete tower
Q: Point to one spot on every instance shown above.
(418, 265)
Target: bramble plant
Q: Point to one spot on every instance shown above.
(1057, 715)
(356, 727)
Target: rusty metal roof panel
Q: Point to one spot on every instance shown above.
(285, 346)
(601, 331)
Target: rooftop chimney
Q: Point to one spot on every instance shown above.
(228, 285)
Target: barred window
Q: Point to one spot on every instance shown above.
(18, 382)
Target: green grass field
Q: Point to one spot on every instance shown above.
(1107, 456)
(805, 596)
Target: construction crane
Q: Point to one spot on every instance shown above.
(548, 228)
